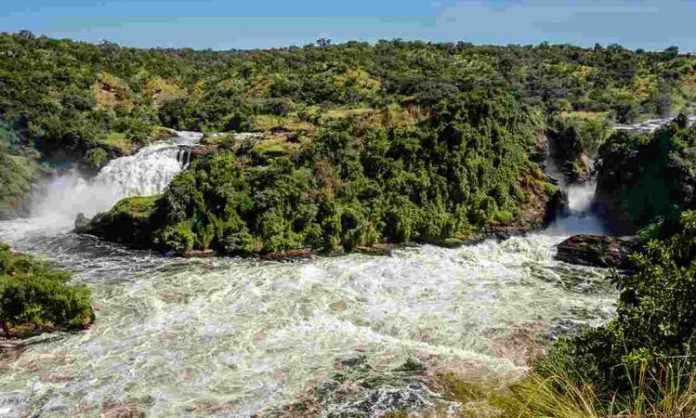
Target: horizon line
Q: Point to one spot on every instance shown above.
(342, 41)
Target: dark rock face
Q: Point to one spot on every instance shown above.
(568, 155)
(8, 214)
(599, 251)
(645, 178)
(289, 255)
(557, 206)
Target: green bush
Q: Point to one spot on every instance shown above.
(179, 237)
(36, 297)
(645, 178)
(96, 158)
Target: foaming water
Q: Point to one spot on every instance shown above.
(178, 337)
(146, 173)
(580, 218)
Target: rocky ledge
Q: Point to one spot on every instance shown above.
(598, 250)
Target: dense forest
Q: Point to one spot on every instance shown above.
(95, 101)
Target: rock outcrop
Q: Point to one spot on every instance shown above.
(597, 250)
(567, 154)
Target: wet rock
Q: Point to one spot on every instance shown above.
(375, 403)
(564, 328)
(597, 250)
(353, 360)
(359, 390)
(128, 409)
(289, 255)
(376, 249)
(558, 206)
(8, 214)
(199, 254)
(451, 243)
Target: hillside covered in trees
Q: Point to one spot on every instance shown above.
(95, 100)
(445, 137)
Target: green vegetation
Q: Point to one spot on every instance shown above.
(129, 221)
(35, 297)
(68, 94)
(392, 142)
(18, 168)
(655, 321)
(638, 365)
(91, 103)
(356, 183)
(576, 137)
(645, 178)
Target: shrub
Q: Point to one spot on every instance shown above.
(179, 237)
(36, 297)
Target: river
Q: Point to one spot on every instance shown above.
(235, 337)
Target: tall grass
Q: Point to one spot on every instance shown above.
(668, 392)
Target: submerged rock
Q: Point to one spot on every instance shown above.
(199, 254)
(597, 250)
(379, 249)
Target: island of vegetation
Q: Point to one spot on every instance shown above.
(36, 297)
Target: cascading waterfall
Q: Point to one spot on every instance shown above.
(580, 218)
(146, 173)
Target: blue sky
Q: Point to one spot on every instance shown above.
(227, 24)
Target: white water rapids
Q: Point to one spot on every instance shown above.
(232, 337)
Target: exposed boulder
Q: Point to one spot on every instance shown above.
(597, 250)
(289, 255)
(81, 223)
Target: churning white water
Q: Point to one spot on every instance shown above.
(231, 337)
(186, 337)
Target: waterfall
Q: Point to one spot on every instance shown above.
(146, 173)
(579, 218)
